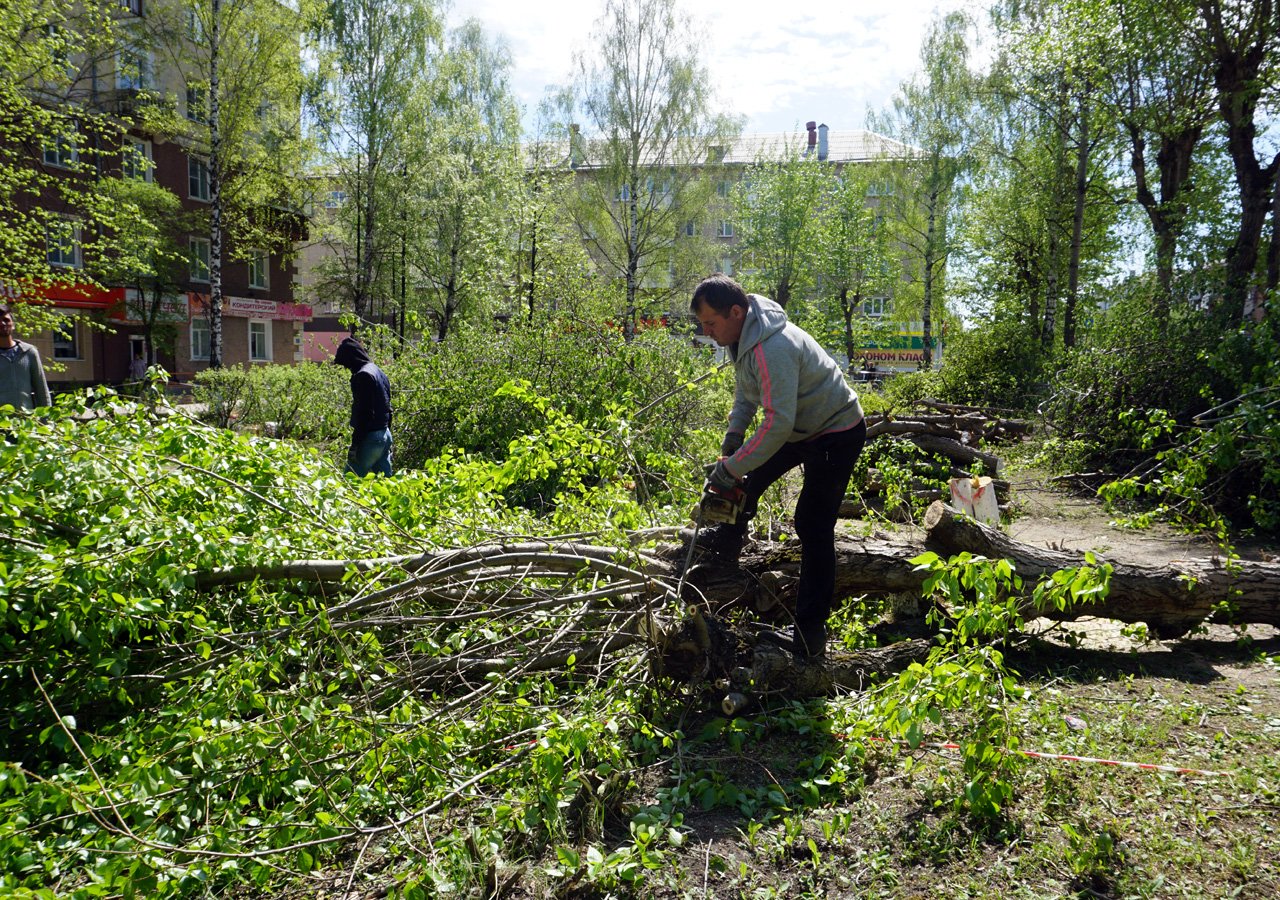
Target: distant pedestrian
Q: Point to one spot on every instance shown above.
(22, 382)
(137, 367)
(370, 411)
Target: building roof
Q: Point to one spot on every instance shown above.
(842, 147)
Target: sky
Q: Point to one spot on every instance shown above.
(778, 65)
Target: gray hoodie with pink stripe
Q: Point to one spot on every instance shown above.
(783, 372)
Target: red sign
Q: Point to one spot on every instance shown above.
(65, 294)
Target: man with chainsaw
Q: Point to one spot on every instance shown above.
(810, 417)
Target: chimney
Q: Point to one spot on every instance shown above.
(813, 137)
(822, 141)
(575, 146)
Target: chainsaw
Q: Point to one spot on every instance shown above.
(719, 505)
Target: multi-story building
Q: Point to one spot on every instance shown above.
(714, 226)
(261, 323)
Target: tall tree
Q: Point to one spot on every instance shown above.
(241, 63)
(543, 241)
(471, 155)
(857, 266)
(59, 154)
(1049, 157)
(373, 67)
(1244, 48)
(645, 98)
(775, 213)
(931, 112)
(1128, 71)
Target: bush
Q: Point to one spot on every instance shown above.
(997, 364)
(448, 396)
(308, 402)
(1121, 364)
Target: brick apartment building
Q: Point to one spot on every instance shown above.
(261, 323)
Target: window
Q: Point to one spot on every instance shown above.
(66, 340)
(197, 104)
(726, 266)
(134, 6)
(58, 44)
(135, 159)
(874, 307)
(61, 153)
(258, 265)
(200, 338)
(195, 26)
(726, 229)
(654, 186)
(62, 244)
(335, 199)
(259, 340)
(197, 179)
(198, 258)
(690, 228)
(133, 69)
(624, 193)
(722, 188)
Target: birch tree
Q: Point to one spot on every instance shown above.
(240, 60)
(931, 112)
(651, 132)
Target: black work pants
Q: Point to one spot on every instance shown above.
(828, 463)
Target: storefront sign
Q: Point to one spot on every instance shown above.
(64, 294)
(253, 308)
(136, 309)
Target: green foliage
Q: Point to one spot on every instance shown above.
(1118, 367)
(776, 215)
(1199, 437)
(310, 401)
(964, 687)
(452, 398)
(247, 721)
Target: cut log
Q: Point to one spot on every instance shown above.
(1171, 599)
(956, 451)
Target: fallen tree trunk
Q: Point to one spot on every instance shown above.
(1170, 599)
(956, 451)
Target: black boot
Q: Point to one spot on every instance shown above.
(810, 640)
(805, 642)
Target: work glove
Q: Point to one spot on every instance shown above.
(732, 441)
(720, 477)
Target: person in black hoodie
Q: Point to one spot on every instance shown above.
(370, 411)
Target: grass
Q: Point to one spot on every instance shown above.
(886, 826)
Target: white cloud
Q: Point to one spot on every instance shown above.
(776, 65)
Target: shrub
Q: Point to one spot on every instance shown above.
(1122, 364)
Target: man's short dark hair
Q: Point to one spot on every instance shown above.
(720, 292)
(6, 309)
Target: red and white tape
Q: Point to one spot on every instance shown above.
(1069, 757)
